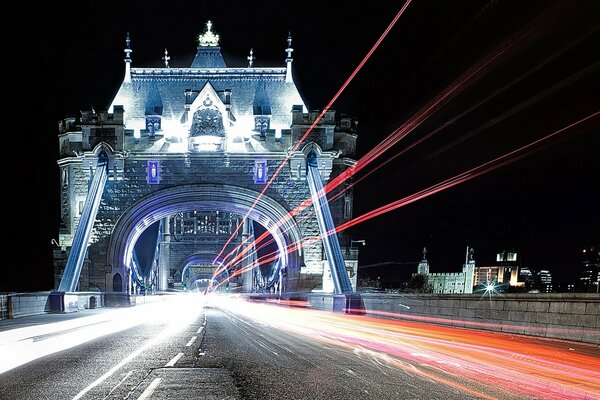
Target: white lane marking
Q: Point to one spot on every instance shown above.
(200, 329)
(192, 340)
(119, 384)
(174, 360)
(150, 389)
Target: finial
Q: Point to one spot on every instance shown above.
(424, 253)
(208, 38)
(127, 60)
(127, 48)
(289, 48)
(166, 58)
(289, 59)
(251, 58)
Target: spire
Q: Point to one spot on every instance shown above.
(469, 255)
(166, 58)
(289, 59)
(423, 267)
(208, 38)
(251, 58)
(127, 60)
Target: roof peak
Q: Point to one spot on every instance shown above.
(208, 38)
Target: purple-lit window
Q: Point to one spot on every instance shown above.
(260, 172)
(153, 172)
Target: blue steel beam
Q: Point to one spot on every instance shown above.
(70, 278)
(335, 260)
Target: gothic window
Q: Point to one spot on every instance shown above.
(117, 283)
(262, 124)
(208, 122)
(348, 207)
(153, 124)
(64, 177)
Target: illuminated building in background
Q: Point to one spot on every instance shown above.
(423, 267)
(589, 273)
(451, 282)
(545, 281)
(504, 271)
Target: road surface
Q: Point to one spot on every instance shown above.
(229, 348)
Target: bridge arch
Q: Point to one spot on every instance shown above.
(196, 258)
(201, 197)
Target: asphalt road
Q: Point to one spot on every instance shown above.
(231, 349)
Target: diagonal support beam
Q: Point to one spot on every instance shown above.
(70, 278)
(335, 260)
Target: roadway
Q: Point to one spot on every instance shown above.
(228, 348)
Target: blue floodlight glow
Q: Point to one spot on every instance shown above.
(260, 172)
(153, 172)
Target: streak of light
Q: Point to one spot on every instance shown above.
(464, 359)
(22, 345)
(468, 175)
(459, 85)
(489, 166)
(529, 330)
(316, 121)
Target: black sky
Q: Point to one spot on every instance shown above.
(65, 59)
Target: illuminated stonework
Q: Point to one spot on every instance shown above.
(201, 139)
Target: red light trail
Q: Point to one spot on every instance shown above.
(502, 51)
(316, 121)
(486, 365)
(460, 84)
(489, 166)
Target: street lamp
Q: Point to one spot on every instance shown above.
(363, 242)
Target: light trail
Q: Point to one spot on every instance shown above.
(460, 84)
(23, 345)
(474, 73)
(571, 79)
(316, 121)
(454, 89)
(466, 176)
(481, 364)
(489, 166)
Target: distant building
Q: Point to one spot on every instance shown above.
(450, 282)
(589, 274)
(545, 281)
(423, 267)
(505, 270)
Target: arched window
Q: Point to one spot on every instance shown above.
(117, 283)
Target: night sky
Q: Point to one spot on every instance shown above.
(547, 206)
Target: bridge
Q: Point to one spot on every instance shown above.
(209, 159)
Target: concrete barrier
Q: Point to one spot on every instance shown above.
(572, 316)
(15, 305)
(25, 304)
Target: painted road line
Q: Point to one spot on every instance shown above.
(192, 340)
(174, 360)
(150, 389)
